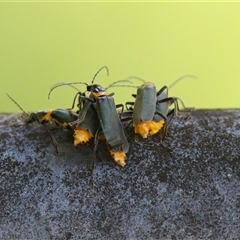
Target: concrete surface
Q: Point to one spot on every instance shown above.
(192, 193)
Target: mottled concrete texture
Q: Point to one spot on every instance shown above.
(192, 193)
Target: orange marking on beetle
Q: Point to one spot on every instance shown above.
(63, 125)
(148, 128)
(99, 94)
(81, 136)
(47, 117)
(119, 157)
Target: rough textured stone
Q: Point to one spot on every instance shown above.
(192, 193)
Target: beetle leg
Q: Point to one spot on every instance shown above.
(166, 146)
(165, 126)
(83, 114)
(127, 104)
(161, 90)
(94, 156)
(120, 105)
(55, 143)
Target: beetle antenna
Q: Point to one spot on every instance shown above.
(138, 78)
(17, 104)
(68, 85)
(74, 88)
(99, 72)
(114, 84)
(63, 84)
(123, 86)
(179, 79)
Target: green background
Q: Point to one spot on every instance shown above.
(45, 43)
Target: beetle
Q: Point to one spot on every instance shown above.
(103, 106)
(147, 119)
(85, 129)
(87, 123)
(60, 117)
(150, 110)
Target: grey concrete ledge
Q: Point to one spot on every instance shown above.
(192, 193)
